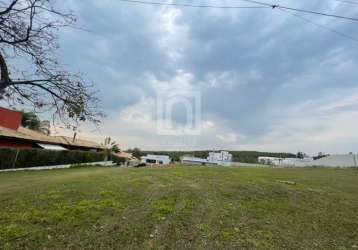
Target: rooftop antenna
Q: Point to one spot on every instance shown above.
(74, 134)
(74, 137)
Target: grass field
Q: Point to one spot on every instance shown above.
(179, 208)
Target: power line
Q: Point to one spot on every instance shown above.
(263, 4)
(192, 5)
(285, 9)
(319, 13)
(260, 3)
(321, 26)
(277, 6)
(346, 1)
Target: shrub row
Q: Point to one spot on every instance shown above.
(26, 158)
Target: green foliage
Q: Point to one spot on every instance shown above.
(164, 206)
(300, 155)
(26, 158)
(137, 153)
(31, 121)
(252, 156)
(115, 148)
(179, 208)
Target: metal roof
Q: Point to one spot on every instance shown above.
(51, 147)
(30, 135)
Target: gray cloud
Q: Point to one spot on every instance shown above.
(248, 64)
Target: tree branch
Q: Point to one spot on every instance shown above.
(28, 30)
(8, 9)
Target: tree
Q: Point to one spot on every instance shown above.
(28, 34)
(300, 155)
(136, 152)
(31, 121)
(115, 148)
(111, 146)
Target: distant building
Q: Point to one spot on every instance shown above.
(193, 160)
(270, 160)
(129, 159)
(276, 161)
(156, 159)
(215, 158)
(348, 160)
(13, 135)
(221, 158)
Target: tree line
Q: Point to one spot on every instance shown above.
(238, 156)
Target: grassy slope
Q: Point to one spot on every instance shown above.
(179, 208)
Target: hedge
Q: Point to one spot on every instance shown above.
(27, 158)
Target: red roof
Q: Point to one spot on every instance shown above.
(10, 129)
(10, 119)
(125, 155)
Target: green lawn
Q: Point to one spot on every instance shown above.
(179, 208)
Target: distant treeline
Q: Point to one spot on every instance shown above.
(238, 156)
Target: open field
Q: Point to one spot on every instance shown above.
(179, 208)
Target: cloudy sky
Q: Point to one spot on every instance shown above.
(203, 78)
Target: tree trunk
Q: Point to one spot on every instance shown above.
(5, 78)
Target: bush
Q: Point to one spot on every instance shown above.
(27, 158)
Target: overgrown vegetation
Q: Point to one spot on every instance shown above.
(26, 158)
(179, 208)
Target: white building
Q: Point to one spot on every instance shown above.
(343, 161)
(220, 158)
(193, 160)
(270, 160)
(276, 161)
(156, 159)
